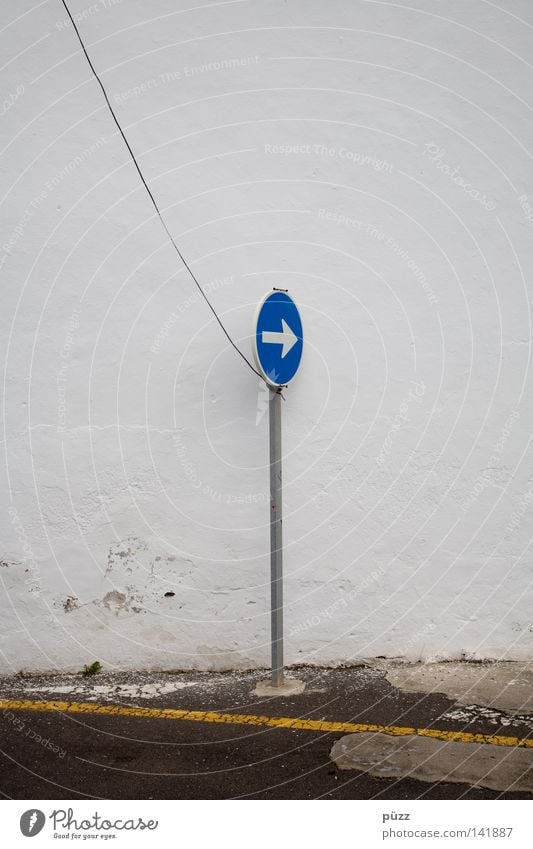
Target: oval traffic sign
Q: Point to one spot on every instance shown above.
(277, 338)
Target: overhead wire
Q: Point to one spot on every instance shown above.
(152, 198)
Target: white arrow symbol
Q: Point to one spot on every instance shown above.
(284, 337)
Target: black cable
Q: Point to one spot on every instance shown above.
(145, 184)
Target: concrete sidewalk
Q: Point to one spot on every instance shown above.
(384, 730)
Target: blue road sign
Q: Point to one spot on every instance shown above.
(277, 338)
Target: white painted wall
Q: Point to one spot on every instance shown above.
(376, 160)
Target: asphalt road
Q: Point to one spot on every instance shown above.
(50, 755)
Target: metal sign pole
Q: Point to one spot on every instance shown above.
(277, 345)
(276, 542)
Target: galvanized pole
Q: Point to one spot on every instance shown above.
(276, 544)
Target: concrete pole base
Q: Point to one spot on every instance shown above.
(289, 687)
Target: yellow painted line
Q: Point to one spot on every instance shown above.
(286, 722)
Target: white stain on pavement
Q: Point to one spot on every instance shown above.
(503, 768)
(111, 692)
